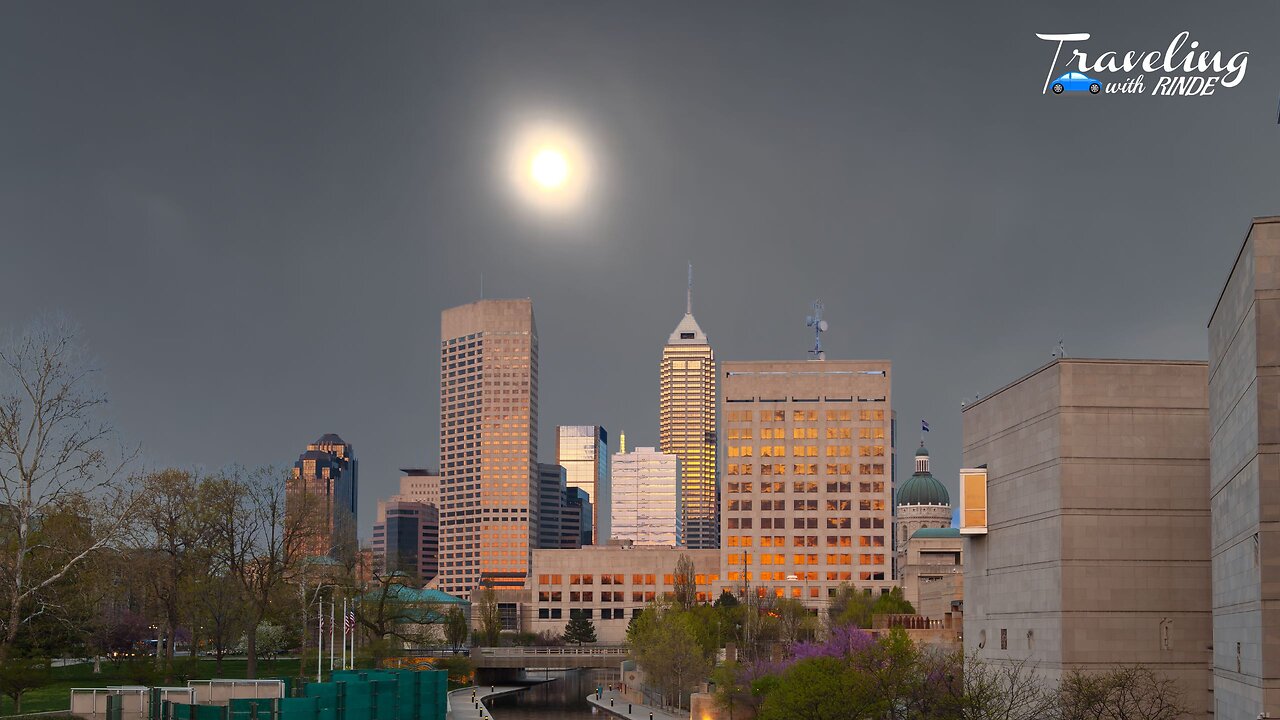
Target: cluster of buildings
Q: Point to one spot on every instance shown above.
(1111, 511)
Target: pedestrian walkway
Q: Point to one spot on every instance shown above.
(610, 701)
(468, 703)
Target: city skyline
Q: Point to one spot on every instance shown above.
(186, 203)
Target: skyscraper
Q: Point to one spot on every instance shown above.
(583, 452)
(406, 538)
(488, 444)
(687, 427)
(322, 493)
(551, 505)
(645, 487)
(808, 477)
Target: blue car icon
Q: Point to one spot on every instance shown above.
(1076, 82)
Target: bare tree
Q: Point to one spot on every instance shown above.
(394, 613)
(683, 581)
(53, 462)
(261, 544)
(1004, 691)
(1122, 693)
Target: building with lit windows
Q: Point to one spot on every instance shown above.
(645, 490)
(419, 484)
(323, 489)
(687, 427)
(808, 477)
(583, 452)
(488, 444)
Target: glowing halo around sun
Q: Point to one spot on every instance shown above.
(550, 169)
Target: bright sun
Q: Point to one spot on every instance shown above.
(549, 168)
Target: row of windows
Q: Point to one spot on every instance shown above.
(746, 416)
(806, 559)
(831, 577)
(779, 523)
(807, 433)
(804, 541)
(767, 469)
(804, 451)
(619, 579)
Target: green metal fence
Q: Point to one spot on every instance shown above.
(350, 695)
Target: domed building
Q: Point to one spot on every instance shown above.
(923, 502)
(929, 558)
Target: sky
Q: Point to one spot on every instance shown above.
(255, 212)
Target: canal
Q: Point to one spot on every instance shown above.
(564, 698)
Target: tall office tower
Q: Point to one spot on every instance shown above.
(406, 539)
(1087, 517)
(551, 505)
(575, 519)
(1244, 427)
(419, 484)
(324, 487)
(488, 444)
(807, 477)
(645, 487)
(687, 427)
(583, 452)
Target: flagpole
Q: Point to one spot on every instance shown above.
(331, 611)
(320, 640)
(344, 633)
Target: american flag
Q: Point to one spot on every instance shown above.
(349, 623)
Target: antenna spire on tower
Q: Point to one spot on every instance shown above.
(688, 296)
(819, 326)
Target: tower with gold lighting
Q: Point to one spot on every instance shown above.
(687, 427)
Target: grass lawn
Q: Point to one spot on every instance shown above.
(57, 696)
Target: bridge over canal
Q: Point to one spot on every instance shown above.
(549, 658)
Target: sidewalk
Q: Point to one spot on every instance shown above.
(638, 712)
(461, 706)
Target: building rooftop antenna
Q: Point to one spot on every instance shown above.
(819, 326)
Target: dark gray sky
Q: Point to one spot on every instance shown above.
(256, 211)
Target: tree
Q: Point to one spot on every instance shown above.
(393, 615)
(261, 544)
(675, 649)
(731, 688)
(1003, 691)
(1123, 693)
(726, 599)
(53, 464)
(579, 630)
(683, 580)
(18, 675)
(850, 606)
(892, 603)
(489, 618)
(795, 620)
(219, 607)
(456, 627)
(822, 689)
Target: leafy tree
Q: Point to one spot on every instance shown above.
(63, 496)
(18, 675)
(219, 608)
(822, 689)
(731, 687)
(795, 620)
(674, 648)
(579, 630)
(892, 603)
(683, 580)
(456, 627)
(850, 606)
(489, 618)
(726, 599)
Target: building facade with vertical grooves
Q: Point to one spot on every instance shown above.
(488, 444)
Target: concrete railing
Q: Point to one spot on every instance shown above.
(516, 652)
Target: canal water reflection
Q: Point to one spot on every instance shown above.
(564, 698)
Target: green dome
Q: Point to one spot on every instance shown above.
(922, 452)
(923, 488)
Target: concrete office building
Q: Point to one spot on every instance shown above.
(646, 485)
(406, 539)
(1244, 411)
(610, 585)
(1096, 544)
(488, 444)
(324, 486)
(808, 476)
(419, 484)
(687, 427)
(583, 451)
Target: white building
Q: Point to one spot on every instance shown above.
(645, 496)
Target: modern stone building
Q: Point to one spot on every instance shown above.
(646, 484)
(323, 488)
(421, 484)
(406, 539)
(1244, 411)
(583, 452)
(808, 477)
(609, 585)
(488, 444)
(1096, 544)
(687, 427)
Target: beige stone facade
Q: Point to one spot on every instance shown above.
(1244, 404)
(1097, 551)
(808, 477)
(932, 572)
(609, 585)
